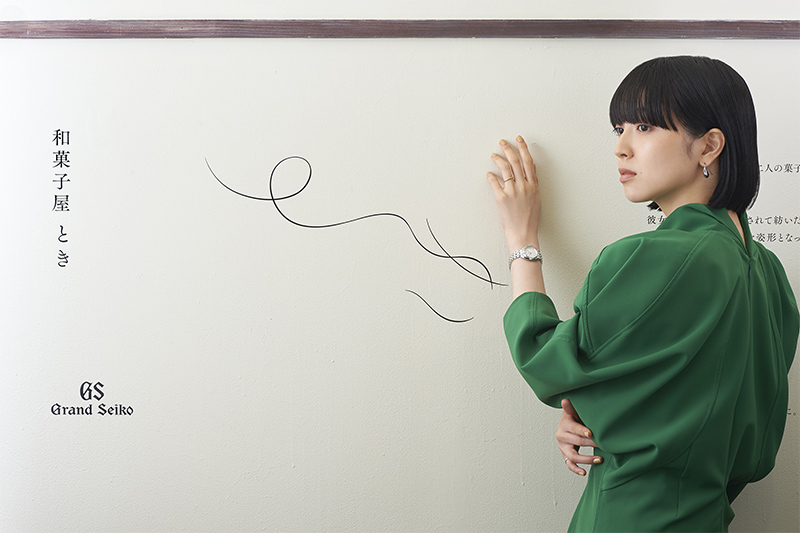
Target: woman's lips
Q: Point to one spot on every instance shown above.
(625, 175)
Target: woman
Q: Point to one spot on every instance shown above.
(682, 337)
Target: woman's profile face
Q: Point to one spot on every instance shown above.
(660, 165)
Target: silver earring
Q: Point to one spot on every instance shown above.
(705, 172)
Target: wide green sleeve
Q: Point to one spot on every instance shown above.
(650, 304)
(534, 331)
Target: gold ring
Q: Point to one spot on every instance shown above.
(509, 179)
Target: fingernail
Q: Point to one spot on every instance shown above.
(587, 434)
(581, 473)
(503, 142)
(598, 460)
(520, 139)
(495, 155)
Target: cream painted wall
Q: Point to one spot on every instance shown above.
(390, 9)
(281, 378)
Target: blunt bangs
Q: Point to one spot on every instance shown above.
(644, 97)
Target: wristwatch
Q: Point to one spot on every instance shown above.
(526, 252)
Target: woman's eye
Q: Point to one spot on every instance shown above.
(618, 131)
(644, 127)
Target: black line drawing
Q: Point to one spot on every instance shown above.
(437, 312)
(457, 259)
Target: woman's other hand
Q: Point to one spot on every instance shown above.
(571, 435)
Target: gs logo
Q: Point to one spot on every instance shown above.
(92, 391)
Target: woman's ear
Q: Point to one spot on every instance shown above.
(714, 142)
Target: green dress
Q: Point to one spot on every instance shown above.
(677, 359)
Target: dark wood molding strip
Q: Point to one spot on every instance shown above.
(400, 29)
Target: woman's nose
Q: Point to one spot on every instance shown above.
(622, 148)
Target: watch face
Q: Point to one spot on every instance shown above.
(529, 252)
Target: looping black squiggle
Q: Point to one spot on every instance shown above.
(272, 198)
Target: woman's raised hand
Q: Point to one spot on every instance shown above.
(516, 192)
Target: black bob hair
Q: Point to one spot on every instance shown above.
(699, 94)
